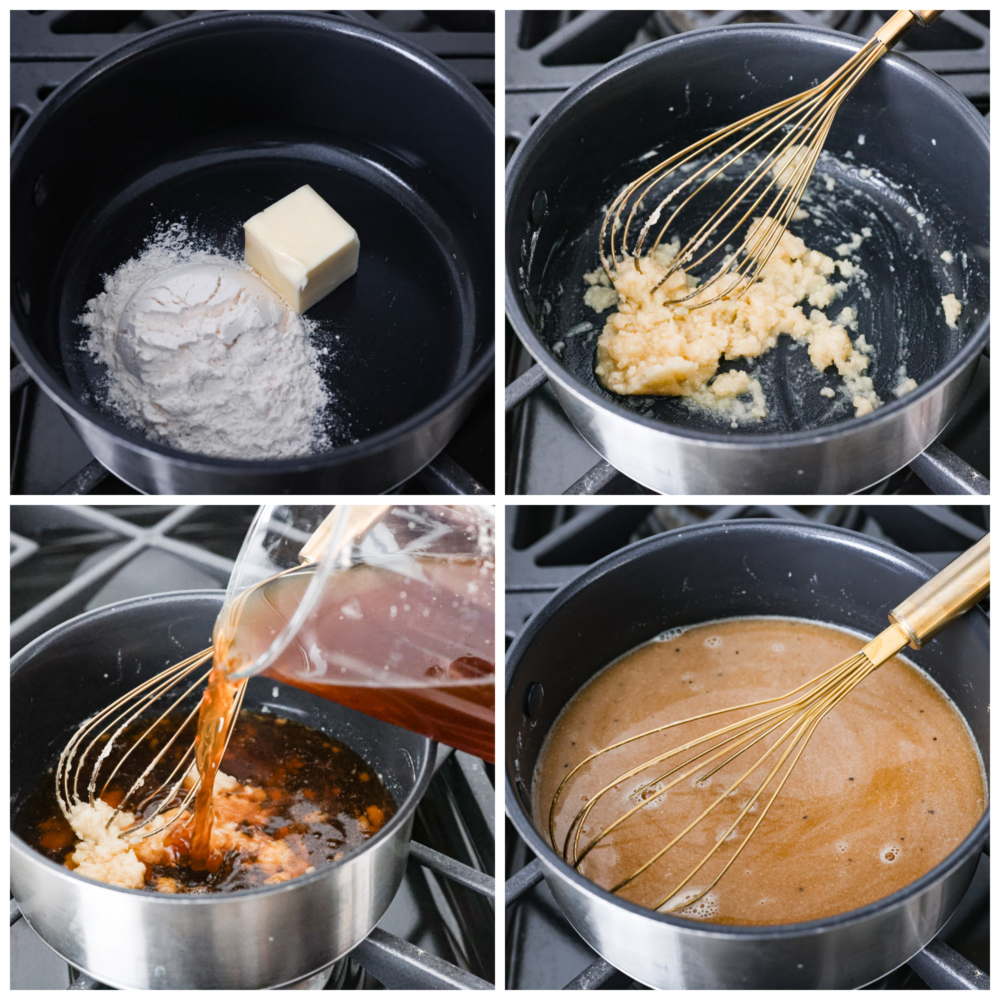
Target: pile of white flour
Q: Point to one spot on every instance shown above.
(202, 354)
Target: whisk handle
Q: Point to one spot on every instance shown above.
(901, 22)
(954, 590)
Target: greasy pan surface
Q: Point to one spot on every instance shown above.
(148, 940)
(901, 122)
(177, 126)
(701, 574)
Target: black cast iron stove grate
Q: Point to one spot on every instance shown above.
(546, 547)
(49, 47)
(547, 53)
(438, 931)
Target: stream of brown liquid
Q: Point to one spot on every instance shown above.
(411, 644)
(888, 786)
(214, 720)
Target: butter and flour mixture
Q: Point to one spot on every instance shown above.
(650, 347)
(202, 355)
(290, 799)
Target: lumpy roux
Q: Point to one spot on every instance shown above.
(888, 786)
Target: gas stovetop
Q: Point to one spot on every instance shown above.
(547, 547)
(49, 47)
(438, 932)
(547, 53)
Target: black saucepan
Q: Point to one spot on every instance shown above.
(700, 574)
(253, 939)
(214, 118)
(912, 166)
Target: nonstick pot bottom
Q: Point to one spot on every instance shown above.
(896, 295)
(399, 334)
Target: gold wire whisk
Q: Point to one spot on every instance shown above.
(113, 720)
(787, 140)
(791, 721)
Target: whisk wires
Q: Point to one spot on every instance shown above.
(774, 186)
(794, 721)
(108, 725)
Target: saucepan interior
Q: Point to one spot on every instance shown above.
(70, 673)
(722, 571)
(889, 157)
(81, 666)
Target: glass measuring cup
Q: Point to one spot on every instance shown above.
(386, 609)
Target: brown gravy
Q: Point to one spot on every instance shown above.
(888, 786)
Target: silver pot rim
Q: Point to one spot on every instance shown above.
(567, 381)
(969, 847)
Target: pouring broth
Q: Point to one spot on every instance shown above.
(409, 643)
(889, 785)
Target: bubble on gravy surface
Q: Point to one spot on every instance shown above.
(890, 783)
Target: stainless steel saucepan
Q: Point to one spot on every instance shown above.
(254, 939)
(897, 141)
(718, 571)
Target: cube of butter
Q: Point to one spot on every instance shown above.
(302, 247)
